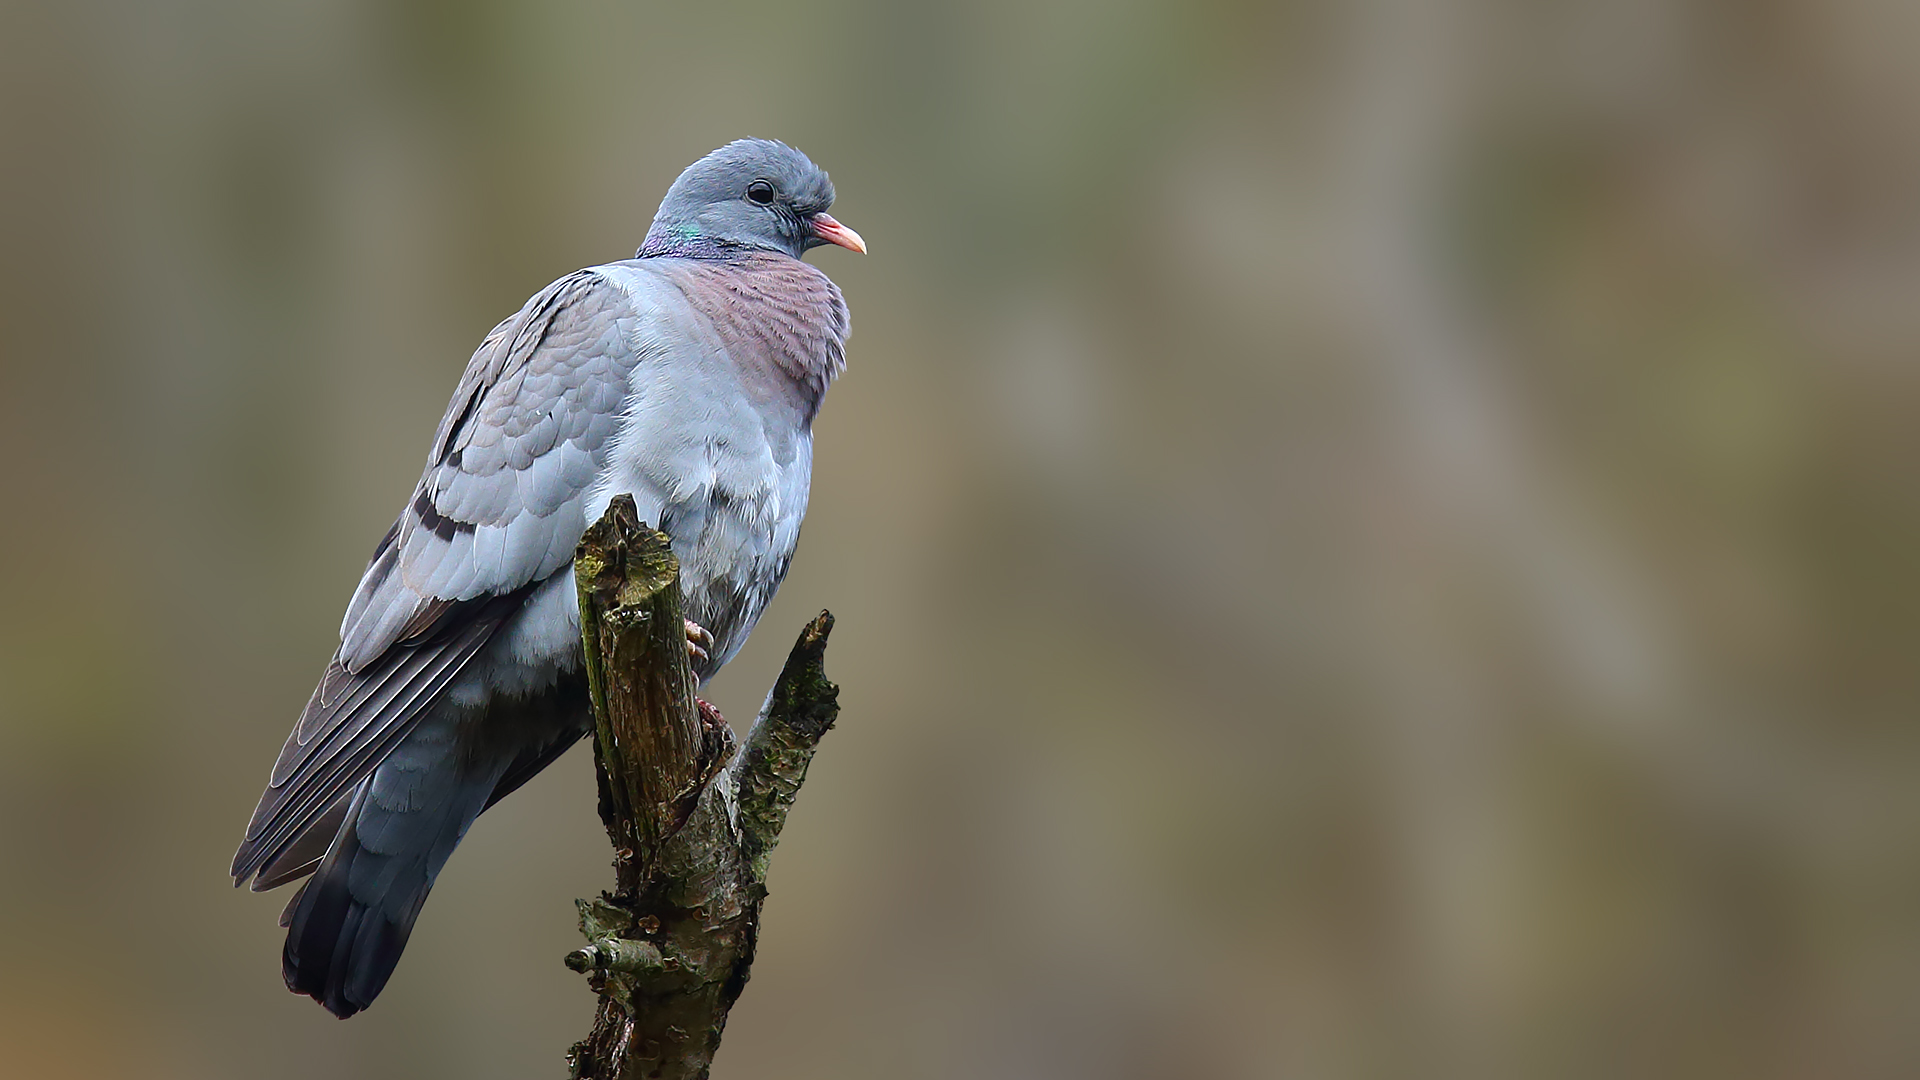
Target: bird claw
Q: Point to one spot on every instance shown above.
(699, 642)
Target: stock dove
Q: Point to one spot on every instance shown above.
(688, 376)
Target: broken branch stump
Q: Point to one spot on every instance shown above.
(669, 949)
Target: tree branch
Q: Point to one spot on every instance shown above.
(669, 950)
(799, 709)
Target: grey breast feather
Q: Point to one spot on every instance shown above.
(716, 444)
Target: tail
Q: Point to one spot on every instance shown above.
(350, 922)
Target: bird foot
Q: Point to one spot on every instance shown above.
(708, 713)
(699, 642)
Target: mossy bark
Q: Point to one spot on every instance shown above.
(669, 949)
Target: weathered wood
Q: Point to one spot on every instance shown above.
(669, 950)
(799, 710)
(652, 745)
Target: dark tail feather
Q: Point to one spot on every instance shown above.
(325, 922)
(350, 923)
(351, 920)
(293, 904)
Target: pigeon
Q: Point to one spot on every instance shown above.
(687, 377)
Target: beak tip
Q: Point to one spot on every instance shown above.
(826, 228)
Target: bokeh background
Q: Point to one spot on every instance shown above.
(1372, 538)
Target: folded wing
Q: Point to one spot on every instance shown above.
(499, 509)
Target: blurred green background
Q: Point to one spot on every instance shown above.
(1371, 539)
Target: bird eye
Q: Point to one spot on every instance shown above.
(760, 192)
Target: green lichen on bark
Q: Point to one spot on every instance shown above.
(801, 709)
(670, 948)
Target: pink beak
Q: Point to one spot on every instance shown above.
(833, 232)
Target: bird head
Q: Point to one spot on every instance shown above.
(750, 193)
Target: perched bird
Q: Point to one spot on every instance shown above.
(688, 376)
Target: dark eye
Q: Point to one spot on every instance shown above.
(760, 192)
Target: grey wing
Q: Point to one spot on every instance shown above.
(501, 503)
(499, 509)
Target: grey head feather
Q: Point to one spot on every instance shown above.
(751, 193)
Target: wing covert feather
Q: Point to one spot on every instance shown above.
(522, 440)
(499, 509)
